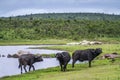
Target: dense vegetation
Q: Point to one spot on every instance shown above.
(73, 26)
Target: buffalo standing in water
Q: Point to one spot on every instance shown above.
(63, 59)
(88, 54)
(28, 59)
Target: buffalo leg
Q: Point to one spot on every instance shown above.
(25, 68)
(65, 66)
(33, 67)
(73, 63)
(29, 67)
(61, 67)
(89, 63)
(21, 69)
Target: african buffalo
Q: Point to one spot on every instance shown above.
(28, 59)
(63, 58)
(87, 54)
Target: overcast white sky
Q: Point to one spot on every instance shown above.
(22, 7)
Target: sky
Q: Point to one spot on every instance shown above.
(23, 7)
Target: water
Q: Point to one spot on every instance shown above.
(5, 50)
(9, 66)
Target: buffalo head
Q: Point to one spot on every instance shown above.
(98, 50)
(59, 55)
(38, 58)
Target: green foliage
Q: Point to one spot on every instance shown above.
(73, 26)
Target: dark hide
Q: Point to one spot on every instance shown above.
(88, 54)
(28, 59)
(63, 59)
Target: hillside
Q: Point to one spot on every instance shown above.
(80, 16)
(73, 26)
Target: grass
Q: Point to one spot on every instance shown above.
(48, 55)
(54, 41)
(106, 48)
(34, 42)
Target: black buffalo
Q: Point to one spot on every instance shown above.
(88, 54)
(63, 58)
(28, 59)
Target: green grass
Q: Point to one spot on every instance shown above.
(54, 41)
(36, 42)
(48, 55)
(106, 48)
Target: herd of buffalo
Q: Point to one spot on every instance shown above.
(63, 58)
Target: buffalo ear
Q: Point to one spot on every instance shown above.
(92, 51)
(98, 50)
(57, 55)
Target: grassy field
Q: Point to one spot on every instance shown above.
(54, 41)
(106, 48)
(34, 42)
(100, 70)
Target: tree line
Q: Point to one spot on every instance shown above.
(60, 25)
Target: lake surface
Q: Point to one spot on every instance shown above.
(9, 66)
(5, 50)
